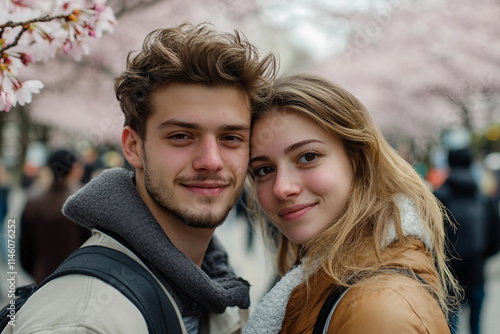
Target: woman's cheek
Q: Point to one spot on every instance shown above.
(264, 194)
(319, 183)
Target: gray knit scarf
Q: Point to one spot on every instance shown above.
(110, 201)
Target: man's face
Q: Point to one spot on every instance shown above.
(195, 153)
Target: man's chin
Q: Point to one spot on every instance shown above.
(209, 222)
(203, 216)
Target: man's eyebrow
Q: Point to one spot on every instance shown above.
(179, 123)
(234, 127)
(287, 150)
(196, 126)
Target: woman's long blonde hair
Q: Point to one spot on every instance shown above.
(379, 175)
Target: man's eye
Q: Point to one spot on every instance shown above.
(231, 138)
(308, 157)
(179, 136)
(262, 171)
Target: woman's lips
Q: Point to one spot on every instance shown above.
(296, 211)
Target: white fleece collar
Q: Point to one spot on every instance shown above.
(410, 223)
(268, 316)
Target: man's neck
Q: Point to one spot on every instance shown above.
(191, 241)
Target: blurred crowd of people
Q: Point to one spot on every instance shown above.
(474, 232)
(45, 237)
(467, 185)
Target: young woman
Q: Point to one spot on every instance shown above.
(350, 213)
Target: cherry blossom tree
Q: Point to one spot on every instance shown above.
(78, 107)
(424, 67)
(79, 101)
(34, 31)
(419, 66)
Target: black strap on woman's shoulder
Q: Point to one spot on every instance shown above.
(405, 272)
(327, 307)
(336, 294)
(413, 275)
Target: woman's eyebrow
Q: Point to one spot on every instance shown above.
(259, 158)
(300, 144)
(287, 150)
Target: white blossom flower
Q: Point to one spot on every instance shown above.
(39, 41)
(25, 89)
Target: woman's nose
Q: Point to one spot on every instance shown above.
(286, 184)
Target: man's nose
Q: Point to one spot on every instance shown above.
(209, 156)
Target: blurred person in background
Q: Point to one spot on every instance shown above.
(4, 191)
(47, 236)
(93, 165)
(476, 234)
(4, 194)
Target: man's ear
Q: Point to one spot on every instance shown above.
(132, 147)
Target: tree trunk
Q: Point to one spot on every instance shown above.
(24, 123)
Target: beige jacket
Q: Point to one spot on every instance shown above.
(82, 304)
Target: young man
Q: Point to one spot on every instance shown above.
(187, 98)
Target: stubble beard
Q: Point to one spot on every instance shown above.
(162, 195)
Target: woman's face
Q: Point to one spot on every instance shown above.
(302, 174)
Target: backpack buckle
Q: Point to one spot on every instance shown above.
(26, 291)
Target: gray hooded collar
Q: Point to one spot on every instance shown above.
(110, 201)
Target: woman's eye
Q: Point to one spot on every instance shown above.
(262, 171)
(308, 157)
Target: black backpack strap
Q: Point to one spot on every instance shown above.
(130, 278)
(413, 275)
(326, 310)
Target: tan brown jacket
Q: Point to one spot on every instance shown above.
(385, 303)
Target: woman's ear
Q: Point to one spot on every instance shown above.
(132, 147)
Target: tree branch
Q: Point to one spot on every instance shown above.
(47, 18)
(25, 25)
(123, 7)
(16, 40)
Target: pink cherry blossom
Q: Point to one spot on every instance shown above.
(26, 58)
(6, 100)
(67, 46)
(99, 7)
(36, 32)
